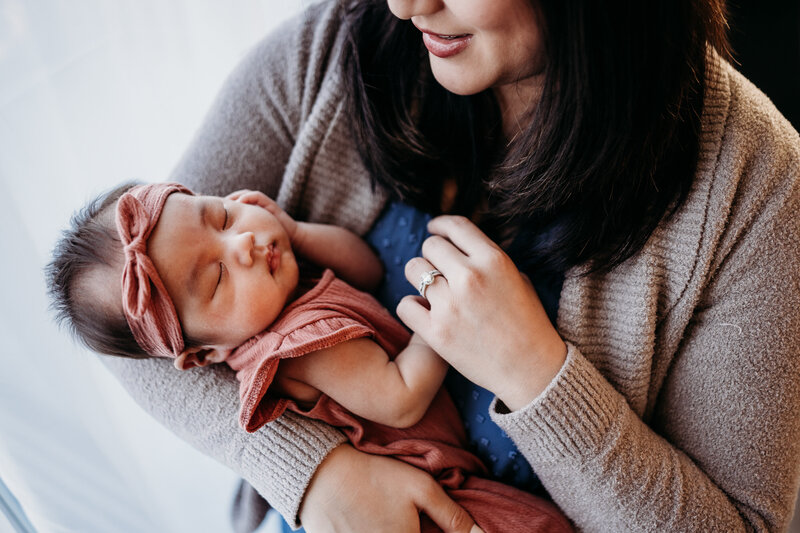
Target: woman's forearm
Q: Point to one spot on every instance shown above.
(605, 468)
(201, 407)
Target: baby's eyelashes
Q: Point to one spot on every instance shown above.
(226, 218)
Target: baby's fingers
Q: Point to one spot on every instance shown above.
(258, 198)
(263, 201)
(235, 195)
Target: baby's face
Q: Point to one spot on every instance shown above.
(228, 267)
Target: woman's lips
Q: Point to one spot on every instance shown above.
(445, 45)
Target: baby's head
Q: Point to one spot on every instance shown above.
(153, 270)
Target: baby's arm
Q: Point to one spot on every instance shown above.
(334, 247)
(342, 251)
(359, 375)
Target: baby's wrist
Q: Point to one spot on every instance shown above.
(298, 235)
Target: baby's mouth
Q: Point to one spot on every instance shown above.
(273, 257)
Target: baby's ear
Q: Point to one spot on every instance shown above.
(200, 356)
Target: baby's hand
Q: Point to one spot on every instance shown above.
(260, 199)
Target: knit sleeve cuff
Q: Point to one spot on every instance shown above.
(569, 419)
(283, 477)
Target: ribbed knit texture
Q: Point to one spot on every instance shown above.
(677, 409)
(203, 409)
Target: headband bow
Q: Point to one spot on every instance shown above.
(148, 308)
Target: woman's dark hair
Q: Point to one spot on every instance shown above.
(89, 252)
(611, 149)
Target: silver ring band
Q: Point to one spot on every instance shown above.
(427, 279)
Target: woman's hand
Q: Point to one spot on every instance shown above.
(482, 315)
(260, 199)
(354, 492)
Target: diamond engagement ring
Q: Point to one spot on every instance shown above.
(427, 279)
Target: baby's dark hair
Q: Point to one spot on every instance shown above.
(86, 261)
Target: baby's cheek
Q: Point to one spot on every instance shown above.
(252, 320)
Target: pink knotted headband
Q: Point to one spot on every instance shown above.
(148, 308)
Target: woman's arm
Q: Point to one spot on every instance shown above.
(202, 408)
(720, 447)
(359, 375)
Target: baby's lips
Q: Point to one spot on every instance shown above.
(273, 258)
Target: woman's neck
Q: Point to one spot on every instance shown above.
(517, 102)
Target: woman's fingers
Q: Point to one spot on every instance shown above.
(423, 275)
(474, 306)
(354, 492)
(457, 247)
(443, 255)
(463, 233)
(445, 512)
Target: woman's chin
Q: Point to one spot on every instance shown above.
(457, 80)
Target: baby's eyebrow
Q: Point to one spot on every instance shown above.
(201, 212)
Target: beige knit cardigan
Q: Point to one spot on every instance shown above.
(678, 408)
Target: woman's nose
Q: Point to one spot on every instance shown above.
(242, 248)
(405, 9)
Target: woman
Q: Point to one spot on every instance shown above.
(621, 164)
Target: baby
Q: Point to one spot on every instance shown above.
(210, 280)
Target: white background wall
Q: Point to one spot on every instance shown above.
(94, 92)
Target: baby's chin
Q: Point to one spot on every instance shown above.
(291, 280)
(263, 325)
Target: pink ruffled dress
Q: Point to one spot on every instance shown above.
(333, 312)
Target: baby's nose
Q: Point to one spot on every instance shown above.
(245, 243)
